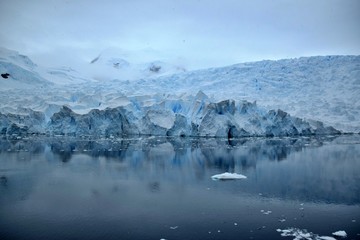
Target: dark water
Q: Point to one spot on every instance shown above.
(161, 188)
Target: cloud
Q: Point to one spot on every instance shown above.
(205, 32)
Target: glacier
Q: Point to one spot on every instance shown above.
(194, 116)
(305, 96)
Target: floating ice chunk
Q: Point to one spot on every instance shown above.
(326, 238)
(340, 234)
(265, 212)
(304, 234)
(228, 176)
(173, 228)
(293, 232)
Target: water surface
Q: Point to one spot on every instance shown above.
(161, 188)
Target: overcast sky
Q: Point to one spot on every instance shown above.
(200, 33)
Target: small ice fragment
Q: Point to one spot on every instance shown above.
(266, 212)
(301, 204)
(228, 176)
(260, 194)
(301, 208)
(219, 231)
(175, 227)
(326, 238)
(340, 234)
(282, 220)
(209, 232)
(235, 224)
(305, 235)
(353, 220)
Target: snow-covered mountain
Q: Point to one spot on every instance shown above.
(18, 71)
(23, 73)
(313, 94)
(108, 66)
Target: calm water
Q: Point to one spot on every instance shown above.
(159, 188)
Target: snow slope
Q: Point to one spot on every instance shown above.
(22, 71)
(189, 103)
(319, 88)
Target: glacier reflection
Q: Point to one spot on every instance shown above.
(304, 169)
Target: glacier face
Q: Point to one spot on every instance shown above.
(196, 116)
(232, 101)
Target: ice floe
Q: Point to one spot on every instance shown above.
(300, 234)
(228, 176)
(340, 233)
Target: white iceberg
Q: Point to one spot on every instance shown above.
(228, 176)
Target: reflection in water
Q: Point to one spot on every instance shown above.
(328, 167)
(137, 177)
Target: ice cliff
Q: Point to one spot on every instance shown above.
(195, 116)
